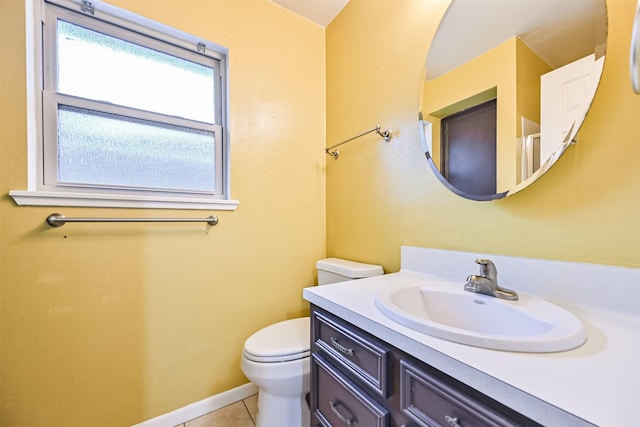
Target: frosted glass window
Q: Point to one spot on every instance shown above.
(131, 108)
(98, 66)
(96, 148)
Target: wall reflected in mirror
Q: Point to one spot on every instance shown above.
(538, 61)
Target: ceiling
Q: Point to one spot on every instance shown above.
(319, 11)
(559, 31)
(542, 24)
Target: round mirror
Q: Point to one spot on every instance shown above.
(507, 85)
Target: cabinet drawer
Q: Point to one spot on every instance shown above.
(341, 403)
(353, 351)
(432, 402)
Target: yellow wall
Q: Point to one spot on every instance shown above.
(114, 324)
(530, 67)
(382, 195)
(493, 69)
(513, 70)
(110, 325)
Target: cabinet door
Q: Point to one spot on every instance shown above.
(337, 402)
(353, 351)
(432, 402)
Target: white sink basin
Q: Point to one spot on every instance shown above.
(445, 310)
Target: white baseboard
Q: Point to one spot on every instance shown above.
(197, 409)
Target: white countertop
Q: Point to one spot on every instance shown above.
(597, 383)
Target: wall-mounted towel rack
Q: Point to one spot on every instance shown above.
(385, 134)
(58, 220)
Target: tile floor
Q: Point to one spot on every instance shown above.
(238, 414)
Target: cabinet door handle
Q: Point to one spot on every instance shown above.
(452, 421)
(334, 408)
(340, 347)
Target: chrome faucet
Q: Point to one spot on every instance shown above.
(487, 282)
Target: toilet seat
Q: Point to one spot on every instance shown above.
(281, 342)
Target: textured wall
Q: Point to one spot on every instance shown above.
(113, 324)
(382, 195)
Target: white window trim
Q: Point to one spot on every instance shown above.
(57, 198)
(33, 196)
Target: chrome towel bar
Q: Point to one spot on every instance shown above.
(58, 220)
(385, 134)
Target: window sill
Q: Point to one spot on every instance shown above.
(49, 198)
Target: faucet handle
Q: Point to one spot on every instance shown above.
(487, 268)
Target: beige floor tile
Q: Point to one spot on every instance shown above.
(234, 415)
(251, 403)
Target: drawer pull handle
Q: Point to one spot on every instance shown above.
(340, 347)
(452, 421)
(334, 408)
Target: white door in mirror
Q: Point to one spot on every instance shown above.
(566, 95)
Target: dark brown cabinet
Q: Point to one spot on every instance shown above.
(340, 402)
(358, 380)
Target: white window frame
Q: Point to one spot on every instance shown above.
(38, 193)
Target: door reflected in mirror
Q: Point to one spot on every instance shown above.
(538, 61)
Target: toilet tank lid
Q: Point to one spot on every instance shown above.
(352, 269)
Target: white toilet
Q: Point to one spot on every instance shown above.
(276, 358)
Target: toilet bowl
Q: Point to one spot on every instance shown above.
(276, 358)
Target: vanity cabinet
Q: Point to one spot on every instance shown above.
(359, 380)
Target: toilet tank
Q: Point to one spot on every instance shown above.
(333, 270)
